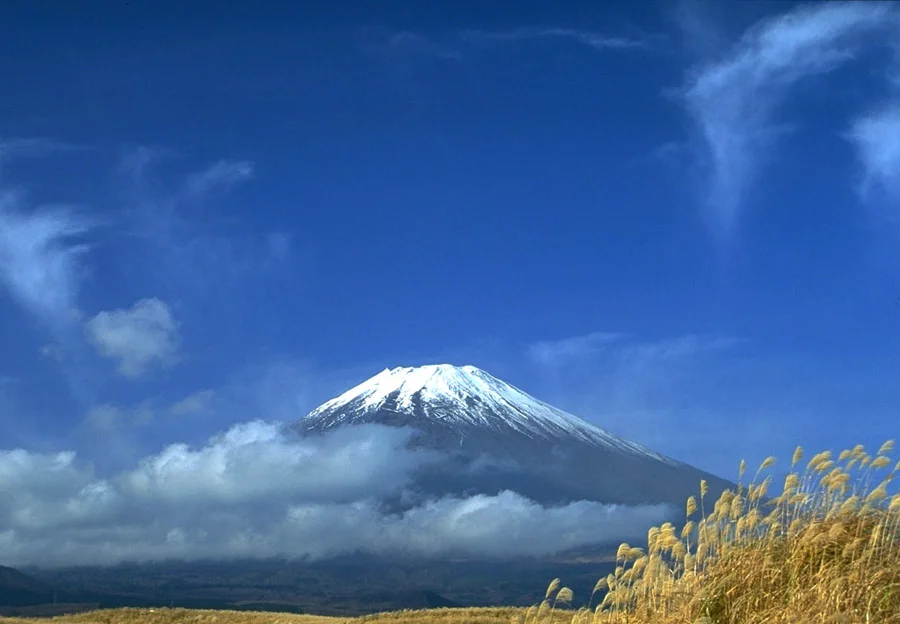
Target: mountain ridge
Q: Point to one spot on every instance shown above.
(538, 450)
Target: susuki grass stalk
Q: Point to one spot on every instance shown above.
(828, 546)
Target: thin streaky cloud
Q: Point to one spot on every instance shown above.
(194, 404)
(876, 137)
(406, 42)
(455, 46)
(596, 40)
(557, 352)
(41, 258)
(108, 418)
(167, 213)
(222, 175)
(11, 149)
(732, 100)
(138, 163)
(621, 347)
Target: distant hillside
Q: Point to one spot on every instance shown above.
(18, 589)
(343, 586)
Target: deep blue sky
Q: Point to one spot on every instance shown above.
(679, 221)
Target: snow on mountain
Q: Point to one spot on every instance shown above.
(496, 437)
(461, 397)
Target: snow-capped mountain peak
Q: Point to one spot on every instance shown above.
(461, 399)
(435, 380)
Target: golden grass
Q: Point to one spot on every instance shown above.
(469, 615)
(825, 550)
(177, 616)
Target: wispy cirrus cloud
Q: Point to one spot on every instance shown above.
(199, 402)
(222, 175)
(167, 212)
(556, 352)
(33, 147)
(401, 43)
(624, 348)
(455, 46)
(664, 393)
(41, 258)
(732, 100)
(111, 418)
(592, 39)
(108, 418)
(136, 338)
(876, 137)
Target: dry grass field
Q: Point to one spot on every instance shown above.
(825, 550)
(177, 616)
(477, 615)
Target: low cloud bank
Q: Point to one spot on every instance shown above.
(255, 491)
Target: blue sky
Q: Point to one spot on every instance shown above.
(677, 221)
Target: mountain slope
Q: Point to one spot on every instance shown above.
(17, 589)
(497, 437)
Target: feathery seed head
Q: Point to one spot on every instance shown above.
(817, 459)
(737, 507)
(877, 495)
(691, 507)
(565, 595)
(634, 553)
(791, 482)
(688, 529)
(798, 455)
(552, 587)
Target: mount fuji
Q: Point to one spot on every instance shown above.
(495, 437)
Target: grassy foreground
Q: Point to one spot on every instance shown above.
(177, 616)
(479, 615)
(825, 550)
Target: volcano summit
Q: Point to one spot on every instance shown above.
(496, 437)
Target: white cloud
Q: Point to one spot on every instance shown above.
(195, 251)
(41, 255)
(255, 491)
(733, 99)
(221, 175)
(104, 417)
(622, 349)
(647, 390)
(454, 46)
(108, 418)
(193, 404)
(557, 352)
(136, 338)
(32, 148)
(596, 40)
(877, 140)
(390, 43)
